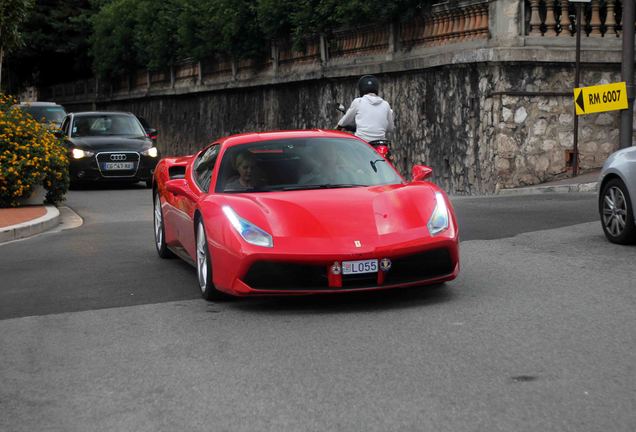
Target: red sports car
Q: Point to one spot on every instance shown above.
(302, 212)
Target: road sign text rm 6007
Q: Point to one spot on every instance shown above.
(600, 98)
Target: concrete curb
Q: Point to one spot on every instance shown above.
(32, 227)
(566, 188)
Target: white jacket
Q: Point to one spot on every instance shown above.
(371, 115)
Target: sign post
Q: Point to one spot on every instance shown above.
(577, 79)
(627, 74)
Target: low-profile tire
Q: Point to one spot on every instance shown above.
(160, 233)
(616, 212)
(204, 266)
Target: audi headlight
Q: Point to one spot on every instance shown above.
(439, 219)
(79, 153)
(250, 232)
(152, 152)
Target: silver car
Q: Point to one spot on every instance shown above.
(617, 193)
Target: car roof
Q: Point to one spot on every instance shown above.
(247, 138)
(35, 104)
(100, 113)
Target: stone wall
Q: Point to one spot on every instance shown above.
(480, 126)
(533, 130)
(437, 118)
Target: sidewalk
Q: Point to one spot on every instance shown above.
(21, 222)
(587, 182)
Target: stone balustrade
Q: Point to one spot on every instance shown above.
(556, 18)
(445, 25)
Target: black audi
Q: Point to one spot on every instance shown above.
(108, 146)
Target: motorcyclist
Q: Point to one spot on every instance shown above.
(371, 115)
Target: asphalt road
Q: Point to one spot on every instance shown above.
(97, 333)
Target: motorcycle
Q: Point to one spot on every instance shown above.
(381, 146)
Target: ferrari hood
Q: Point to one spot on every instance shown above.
(339, 213)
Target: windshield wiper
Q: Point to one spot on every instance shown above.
(375, 162)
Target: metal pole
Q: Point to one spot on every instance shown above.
(627, 73)
(577, 79)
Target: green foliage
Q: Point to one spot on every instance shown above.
(124, 35)
(156, 32)
(113, 40)
(30, 155)
(228, 27)
(13, 13)
(56, 44)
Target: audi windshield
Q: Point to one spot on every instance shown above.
(106, 125)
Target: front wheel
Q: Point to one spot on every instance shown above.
(160, 233)
(617, 215)
(204, 267)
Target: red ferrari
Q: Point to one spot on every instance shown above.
(302, 212)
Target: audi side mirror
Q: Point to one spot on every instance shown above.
(152, 133)
(420, 172)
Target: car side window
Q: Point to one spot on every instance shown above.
(64, 126)
(203, 166)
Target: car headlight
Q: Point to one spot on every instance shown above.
(79, 153)
(439, 219)
(250, 232)
(152, 152)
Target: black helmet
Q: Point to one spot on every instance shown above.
(368, 84)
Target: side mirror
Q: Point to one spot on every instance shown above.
(59, 133)
(178, 187)
(420, 172)
(152, 133)
(383, 150)
(340, 107)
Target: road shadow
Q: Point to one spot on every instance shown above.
(370, 301)
(114, 185)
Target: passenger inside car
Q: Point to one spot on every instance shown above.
(245, 166)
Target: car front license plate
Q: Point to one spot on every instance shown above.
(356, 267)
(118, 166)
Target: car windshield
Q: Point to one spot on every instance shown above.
(106, 125)
(301, 164)
(46, 114)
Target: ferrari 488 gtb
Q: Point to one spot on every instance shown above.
(302, 212)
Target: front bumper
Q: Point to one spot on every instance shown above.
(93, 169)
(282, 274)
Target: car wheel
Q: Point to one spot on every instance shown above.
(617, 217)
(160, 236)
(204, 267)
(149, 184)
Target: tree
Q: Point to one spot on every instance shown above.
(156, 33)
(113, 39)
(56, 44)
(229, 27)
(12, 14)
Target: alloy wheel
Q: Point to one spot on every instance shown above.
(158, 223)
(202, 258)
(614, 211)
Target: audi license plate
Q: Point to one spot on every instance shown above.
(356, 267)
(108, 166)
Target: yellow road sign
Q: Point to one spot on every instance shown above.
(600, 98)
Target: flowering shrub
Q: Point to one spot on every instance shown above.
(30, 155)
